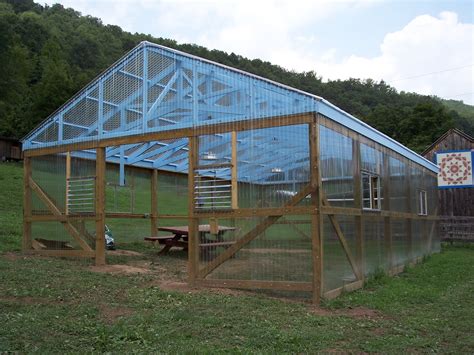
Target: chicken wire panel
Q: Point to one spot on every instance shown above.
(128, 230)
(49, 173)
(281, 252)
(398, 185)
(54, 235)
(337, 167)
(132, 197)
(337, 270)
(374, 245)
(172, 194)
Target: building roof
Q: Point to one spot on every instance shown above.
(154, 88)
(444, 136)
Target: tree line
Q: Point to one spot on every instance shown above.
(48, 53)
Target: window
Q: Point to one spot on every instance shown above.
(422, 203)
(371, 193)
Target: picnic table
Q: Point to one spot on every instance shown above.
(208, 242)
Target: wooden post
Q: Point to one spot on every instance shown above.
(316, 219)
(359, 250)
(26, 245)
(68, 175)
(409, 223)
(193, 222)
(235, 203)
(154, 202)
(386, 207)
(100, 207)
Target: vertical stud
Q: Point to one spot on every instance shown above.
(100, 206)
(193, 235)
(154, 202)
(316, 218)
(26, 245)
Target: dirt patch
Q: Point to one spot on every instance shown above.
(111, 314)
(123, 253)
(169, 285)
(120, 269)
(359, 312)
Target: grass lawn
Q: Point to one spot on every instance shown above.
(142, 305)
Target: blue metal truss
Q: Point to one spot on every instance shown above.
(154, 88)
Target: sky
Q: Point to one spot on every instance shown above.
(417, 46)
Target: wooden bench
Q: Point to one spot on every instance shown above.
(208, 250)
(161, 239)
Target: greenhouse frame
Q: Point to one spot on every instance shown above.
(298, 196)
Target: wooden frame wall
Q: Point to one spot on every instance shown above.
(319, 204)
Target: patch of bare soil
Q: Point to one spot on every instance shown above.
(123, 252)
(111, 314)
(169, 285)
(359, 312)
(120, 269)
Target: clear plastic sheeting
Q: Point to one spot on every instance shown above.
(337, 167)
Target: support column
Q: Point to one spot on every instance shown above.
(154, 203)
(193, 222)
(409, 221)
(358, 222)
(68, 176)
(100, 207)
(234, 187)
(316, 219)
(26, 245)
(386, 207)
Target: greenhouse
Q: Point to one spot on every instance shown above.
(274, 188)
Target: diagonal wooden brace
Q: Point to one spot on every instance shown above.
(343, 242)
(55, 211)
(251, 235)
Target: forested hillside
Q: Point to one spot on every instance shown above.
(49, 53)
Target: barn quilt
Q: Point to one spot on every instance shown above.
(455, 169)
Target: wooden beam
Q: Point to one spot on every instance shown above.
(26, 243)
(100, 207)
(251, 284)
(358, 221)
(316, 219)
(56, 218)
(242, 125)
(386, 179)
(262, 212)
(408, 222)
(193, 222)
(252, 234)
(52, 207)
(68, 175)
(343, 242)
(154, 203)
(346, 288)
(233, 180)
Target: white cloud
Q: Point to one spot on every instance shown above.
(277, 31)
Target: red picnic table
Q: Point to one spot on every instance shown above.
(207, 242)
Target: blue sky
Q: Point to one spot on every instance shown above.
(420, 46)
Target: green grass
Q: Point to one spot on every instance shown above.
(52, 305)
